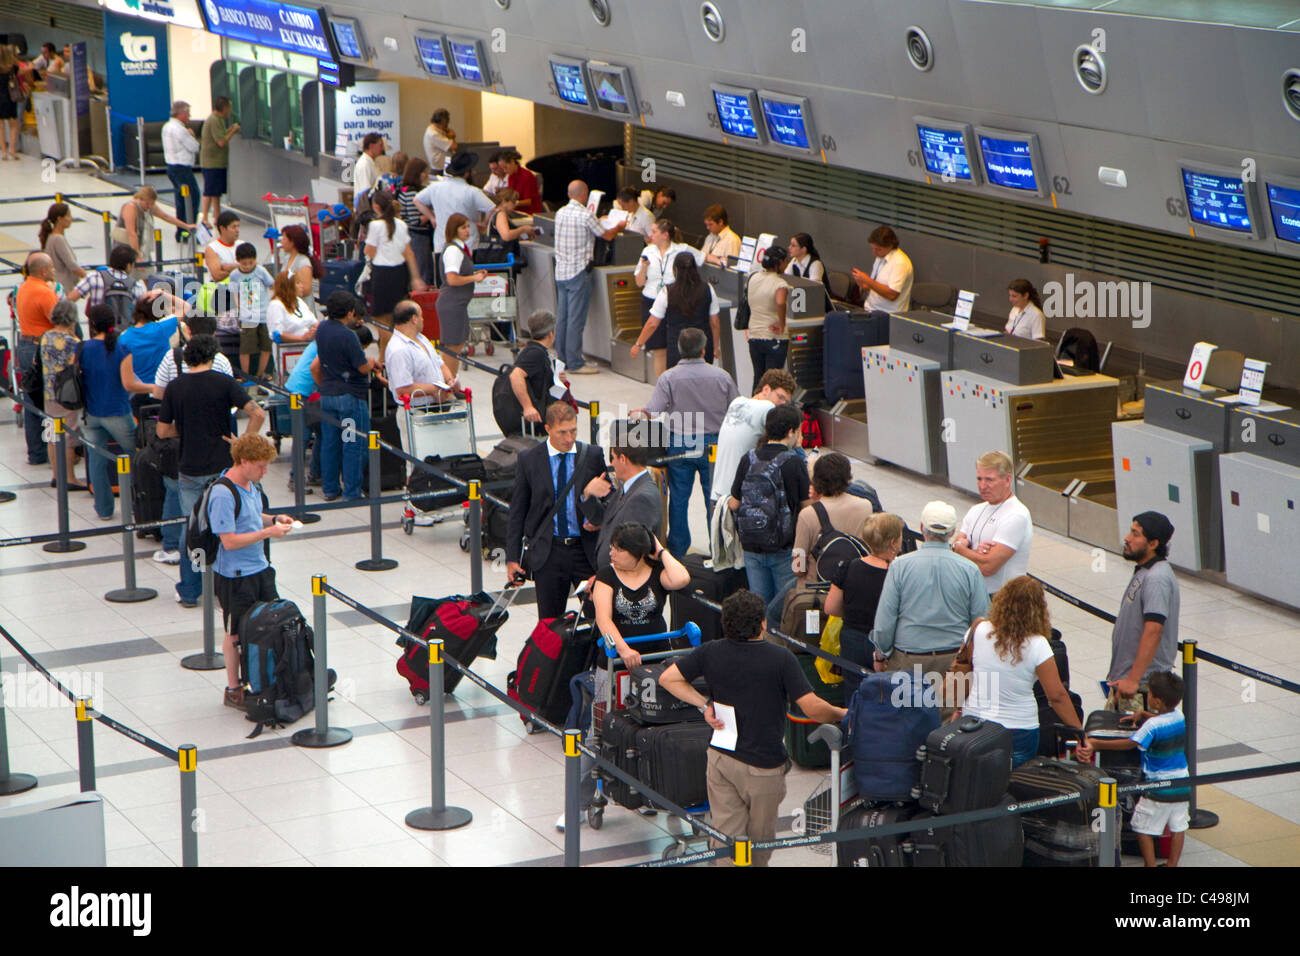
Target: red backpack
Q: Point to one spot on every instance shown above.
(811, 431)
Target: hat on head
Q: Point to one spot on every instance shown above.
(939, 517)
(1156, 527)
(461, 163)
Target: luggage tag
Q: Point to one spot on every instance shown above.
(812, 622)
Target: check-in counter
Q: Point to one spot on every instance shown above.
(904, 409)
(729, 286)
(922, 334)
(535, 286)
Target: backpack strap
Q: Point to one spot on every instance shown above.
(234, 493)
(823, 517)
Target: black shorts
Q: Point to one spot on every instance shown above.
(237, 595)
(214, 182)
(659, 338)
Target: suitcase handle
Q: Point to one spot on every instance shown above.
(690, 630)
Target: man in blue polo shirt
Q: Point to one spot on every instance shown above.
(342, 371)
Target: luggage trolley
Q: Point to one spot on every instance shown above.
(294, 211)
(493, 307)
(836, 797)
(442, 430)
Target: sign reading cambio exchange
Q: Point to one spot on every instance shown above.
(367, 108)
(279, 25)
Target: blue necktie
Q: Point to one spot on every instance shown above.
(562, 511)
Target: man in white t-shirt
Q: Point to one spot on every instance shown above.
(365, 174)
(219, 254)
(997, 534)
(743, 425)
(889, 286)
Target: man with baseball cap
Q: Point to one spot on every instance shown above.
(929, 600)
(1144, 640)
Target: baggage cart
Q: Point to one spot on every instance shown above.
(494, 310)
(443, 428)
(834, 798)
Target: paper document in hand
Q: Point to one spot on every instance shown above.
(614, 218)
(725, 739)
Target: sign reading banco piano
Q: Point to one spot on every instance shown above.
(279, 25)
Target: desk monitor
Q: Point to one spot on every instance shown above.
(468, 60)
(348, 39)
(1284, 207)
(788, 120)
(431, 51)
(738, 113)
(612, 87)
(571, 84)
(1012, 161)
(946, 149)
(1219, 198)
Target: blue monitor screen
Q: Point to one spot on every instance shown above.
(569, 83)
(432, 55)
(1218, 201)
(944, 151)
(1009, 163)
(345, 35)
(1285, 204)
(465, 56)
(736, 114)
(786, 124)
(611, 91)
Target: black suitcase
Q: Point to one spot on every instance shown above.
(340, 274)
(798, 728)
(674, 759)
(885, 851)
(501, 460)
(1061, 835)
(1049, 722)
(618, 745)
(996, 842)
(845, 335)
(1105, 723)
(965, 766)
(651, 704)
(430, 491)
(147, 491)
(715, 585)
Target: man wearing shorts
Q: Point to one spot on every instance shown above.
(242, 575)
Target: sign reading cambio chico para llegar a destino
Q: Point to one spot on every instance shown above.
(367, 107)
(279, 25)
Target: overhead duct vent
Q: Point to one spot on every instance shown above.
(1291, 93)
(919, 50)
(1090, 69)
(600, 10)
(711, 18)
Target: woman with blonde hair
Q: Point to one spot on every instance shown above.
(1008, 653)
(288, 313)
(13, 74)
(855, 595)
(135, 227)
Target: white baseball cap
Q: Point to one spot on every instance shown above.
(939, 517)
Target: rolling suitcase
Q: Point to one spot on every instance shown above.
(651, 704)
(886, 724)
(845, 335)
(996, 842)
(889, 851)
(430, 492)
(147, 491)
(674, 760)
(558, 649)
(715, 585)
(501, 460)
(340, 274)
(467, 627)
(1049, 722)
(428, 303)
(1061, 835)
(965, 765)
(383, 419)
(618, 745)
(813, 756)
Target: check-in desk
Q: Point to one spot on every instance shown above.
(1259, 480)
(904, 409)
(732, 351)
(535, 286)
(1167, 463)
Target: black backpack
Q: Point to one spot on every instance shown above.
(764, 520)
(276, 647)
(834, 549)
(198, 529)
(67, 386)
(119, 297)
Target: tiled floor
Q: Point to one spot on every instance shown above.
(267, 802)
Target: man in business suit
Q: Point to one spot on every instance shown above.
(564, 553)
(636, 499)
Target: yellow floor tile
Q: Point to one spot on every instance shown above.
(1269, 853)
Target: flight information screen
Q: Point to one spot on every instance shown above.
(432, 55)
(944, 151)
(465, 55)
(569, 83)
(1009, 163)
(1219, 201)
(1284, 203)
(736, 114)
(345, 36)
(786, 123)
(611, 88)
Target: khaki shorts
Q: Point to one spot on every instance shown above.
(254, 339)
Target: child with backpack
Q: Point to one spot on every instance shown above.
(252, 285)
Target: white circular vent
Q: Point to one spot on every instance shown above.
(919, 50)
(1090, 69)
(1291, 92)
(711, 18)
(600, 10)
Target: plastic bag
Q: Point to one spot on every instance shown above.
(830, 673)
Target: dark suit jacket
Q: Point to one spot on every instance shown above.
(534, 493)
(642, 504)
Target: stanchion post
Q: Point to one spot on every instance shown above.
(1109, 807)
(475, 536)
(189, 764)
(572, 786)
(10, 783)
(129, 593)
(108, 234)
(65, 544)
(376, 561)
(594, 409)
(741, 853)
(85, 743)
(157, 245)
(1198, 819)
(298, 421)
(208, 659)
(437, 816)
(323, 735)
(198, 268)
(139, 142)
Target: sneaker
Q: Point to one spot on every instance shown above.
(332, 497)
(424, 521)
(582, 818)
(235, 697)
(647, 811)
(182, 602)
(584, 370)
(163, 556)
(306, 491)
(104, 517)
(313, 481)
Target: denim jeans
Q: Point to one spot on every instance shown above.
(191, 489)
(769, 574)
(184, 176)
(171, 533)
(681, 480)
(571, 299)
(1024, 744)
(37, 453)
(338, 455)
(99, 431)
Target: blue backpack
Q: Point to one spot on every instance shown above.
(887, 722)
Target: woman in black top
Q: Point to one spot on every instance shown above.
(630, 594)
(855, 596)
(688, 303)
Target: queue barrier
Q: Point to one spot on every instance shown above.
(185, 757)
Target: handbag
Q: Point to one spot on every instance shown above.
(740, 320)
(957, 679)
(67, 385)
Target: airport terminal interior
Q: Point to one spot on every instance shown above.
(1152, 205)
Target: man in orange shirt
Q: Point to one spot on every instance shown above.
(35, 301)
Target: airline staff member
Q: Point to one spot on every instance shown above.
(654, 273)
(889, 286)
(1026, 318)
